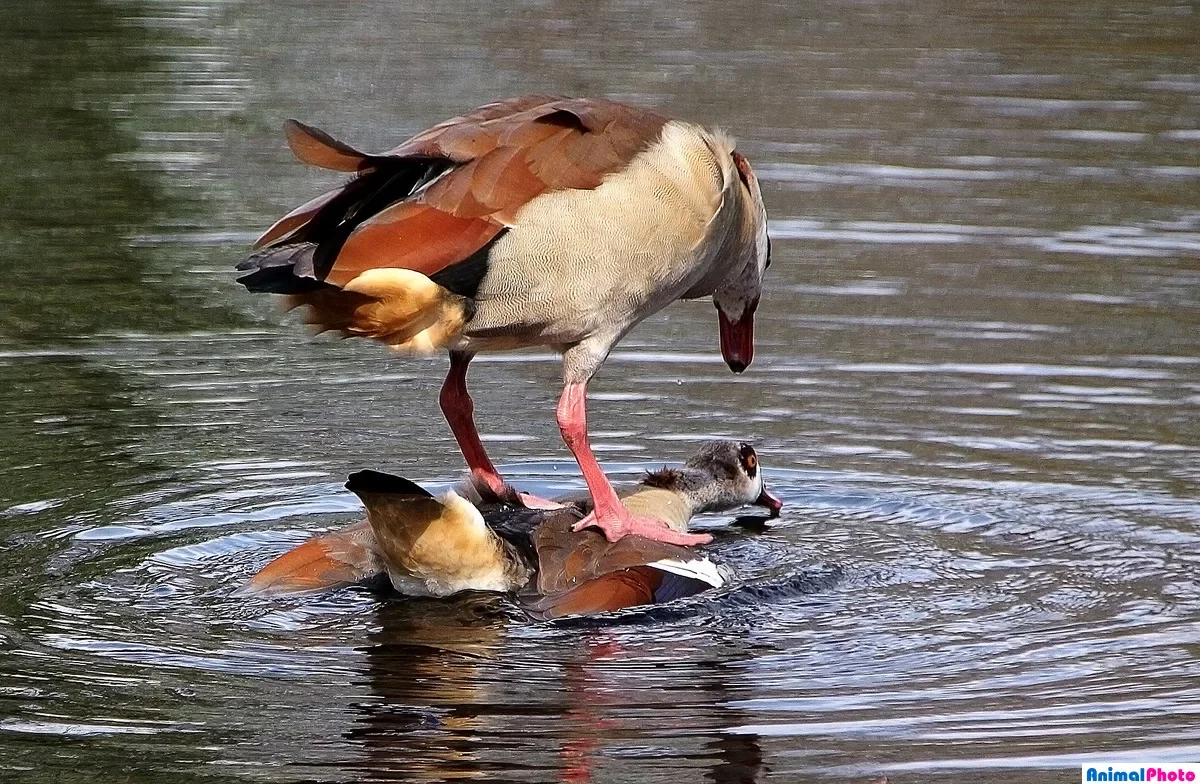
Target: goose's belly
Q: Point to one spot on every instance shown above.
(571, 299)
(612, 267)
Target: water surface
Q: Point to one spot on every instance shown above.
(976, 389)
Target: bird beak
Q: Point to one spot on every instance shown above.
(737, 339)
(770, 501)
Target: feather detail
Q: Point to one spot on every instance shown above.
(286, 226)
(567, 558)
(336, 559)
(404, 309)
(437, 203)
(652, 583)
(410, 235)
(317, 148)
(695, 568)
(614, 591)
(438, 546)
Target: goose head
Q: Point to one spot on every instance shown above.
(737, 297)
(722, 475)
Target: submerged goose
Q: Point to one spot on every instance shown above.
(534, 221)
(439, 546)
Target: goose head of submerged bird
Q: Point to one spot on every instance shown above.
(736, 298)
(721, 476)
(582, 573)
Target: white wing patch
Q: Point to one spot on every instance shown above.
(700, 569)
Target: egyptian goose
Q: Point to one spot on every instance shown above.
(534, 221)
(438, 546)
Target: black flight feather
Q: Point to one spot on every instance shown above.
(299, 261)
(369, 481)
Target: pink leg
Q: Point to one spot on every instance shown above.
(609, 514)
(459, 410)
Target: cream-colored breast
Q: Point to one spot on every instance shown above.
(660, 504)
(582, 262)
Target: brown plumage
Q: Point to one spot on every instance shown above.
(343, 557)
(567, 559)
(440, 546)
(535, 221)
(582, 573)
(633, 587)
(481, 169)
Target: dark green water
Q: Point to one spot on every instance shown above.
(977, 389)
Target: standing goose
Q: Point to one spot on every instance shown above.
(534, 221)
(439, 546)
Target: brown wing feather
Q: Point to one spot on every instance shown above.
(510, 152)
(339, 558)
(317, 148)
(502, 156)
(445, 138)
(494, 186)
(584, 138)
(452, 193)
(567, 559)
(410, 235)
(615, 591)
(295, 219)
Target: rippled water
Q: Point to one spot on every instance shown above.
(977, 391)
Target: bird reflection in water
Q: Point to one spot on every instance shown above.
(468, 689)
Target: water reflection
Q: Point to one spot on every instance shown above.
(428, 664)
(72, 201)
(453, 689)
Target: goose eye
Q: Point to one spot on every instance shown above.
(749, 459)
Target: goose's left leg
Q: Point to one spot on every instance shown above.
(609, 514)
(459, 410)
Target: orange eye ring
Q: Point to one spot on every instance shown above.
(751, 460)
